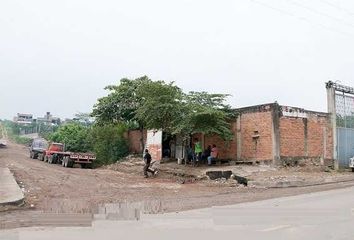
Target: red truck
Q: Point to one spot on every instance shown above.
(56, 154)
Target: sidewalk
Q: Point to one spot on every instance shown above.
(10, 192)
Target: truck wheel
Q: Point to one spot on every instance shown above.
(70, 163)
(41, 156)
(35, 155)
(54, 159)
(50, 159)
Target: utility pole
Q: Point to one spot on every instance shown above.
(331, 107)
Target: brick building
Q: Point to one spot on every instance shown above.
(268, 132)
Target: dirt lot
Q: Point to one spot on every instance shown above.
(52, 188)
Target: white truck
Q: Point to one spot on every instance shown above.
(351, 163)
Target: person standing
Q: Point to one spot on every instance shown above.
(147, 160)
(197, 151)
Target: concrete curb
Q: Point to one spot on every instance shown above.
(298, 183)
(10, 192)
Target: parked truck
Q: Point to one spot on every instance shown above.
(38, 146)
(55, 154)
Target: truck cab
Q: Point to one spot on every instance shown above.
(38, 146)
(56, 147)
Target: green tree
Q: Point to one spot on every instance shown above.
(121, 104)
(109, 143)
(74, 136)
(164, 106)
(204, 113)
(161, 106)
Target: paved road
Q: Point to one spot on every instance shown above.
(323, 215)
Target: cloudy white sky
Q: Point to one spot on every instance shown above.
(58, 56)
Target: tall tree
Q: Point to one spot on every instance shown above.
(121, 104)
(161, 105)
(204, 113)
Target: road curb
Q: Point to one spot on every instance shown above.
(10, 192)
(294, 184)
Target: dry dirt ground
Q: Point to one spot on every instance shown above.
(52, 188)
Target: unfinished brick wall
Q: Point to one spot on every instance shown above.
(227, 149)
(309, 136)
(292, 137)
(134, 140)
(255, 124)
(266, 132)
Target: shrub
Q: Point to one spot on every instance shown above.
(22, 140)
(109, 143)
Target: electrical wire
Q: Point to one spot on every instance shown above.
(338, 8)
(302, 18)
(320, 13)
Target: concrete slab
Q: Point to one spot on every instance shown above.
(10, 192)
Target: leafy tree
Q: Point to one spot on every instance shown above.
(121, 104)
(204, 113)
(74, 136)
(83, 119)
(164, 106)
(161, 106)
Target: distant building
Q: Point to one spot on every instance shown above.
(23, 118)
(48, 119)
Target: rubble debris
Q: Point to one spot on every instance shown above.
(219, 174)
(240, 180)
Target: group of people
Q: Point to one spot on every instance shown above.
(210, 154)
(195, 156)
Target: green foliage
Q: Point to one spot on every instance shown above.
(46, 130)
(13, 131)
(109, 143)
(106, 141)
(74, 136)
(84, 119)
(121, 103)
(161, 105)
(204, 113)
(22, 140)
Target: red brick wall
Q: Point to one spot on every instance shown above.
(227, 149)
(252, 148)
(292, 137)
(306, 137)
(134, 139)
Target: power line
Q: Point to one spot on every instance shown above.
(302, 18)
(338, 8)
(320, 13)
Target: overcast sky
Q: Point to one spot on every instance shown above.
(58, 56)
